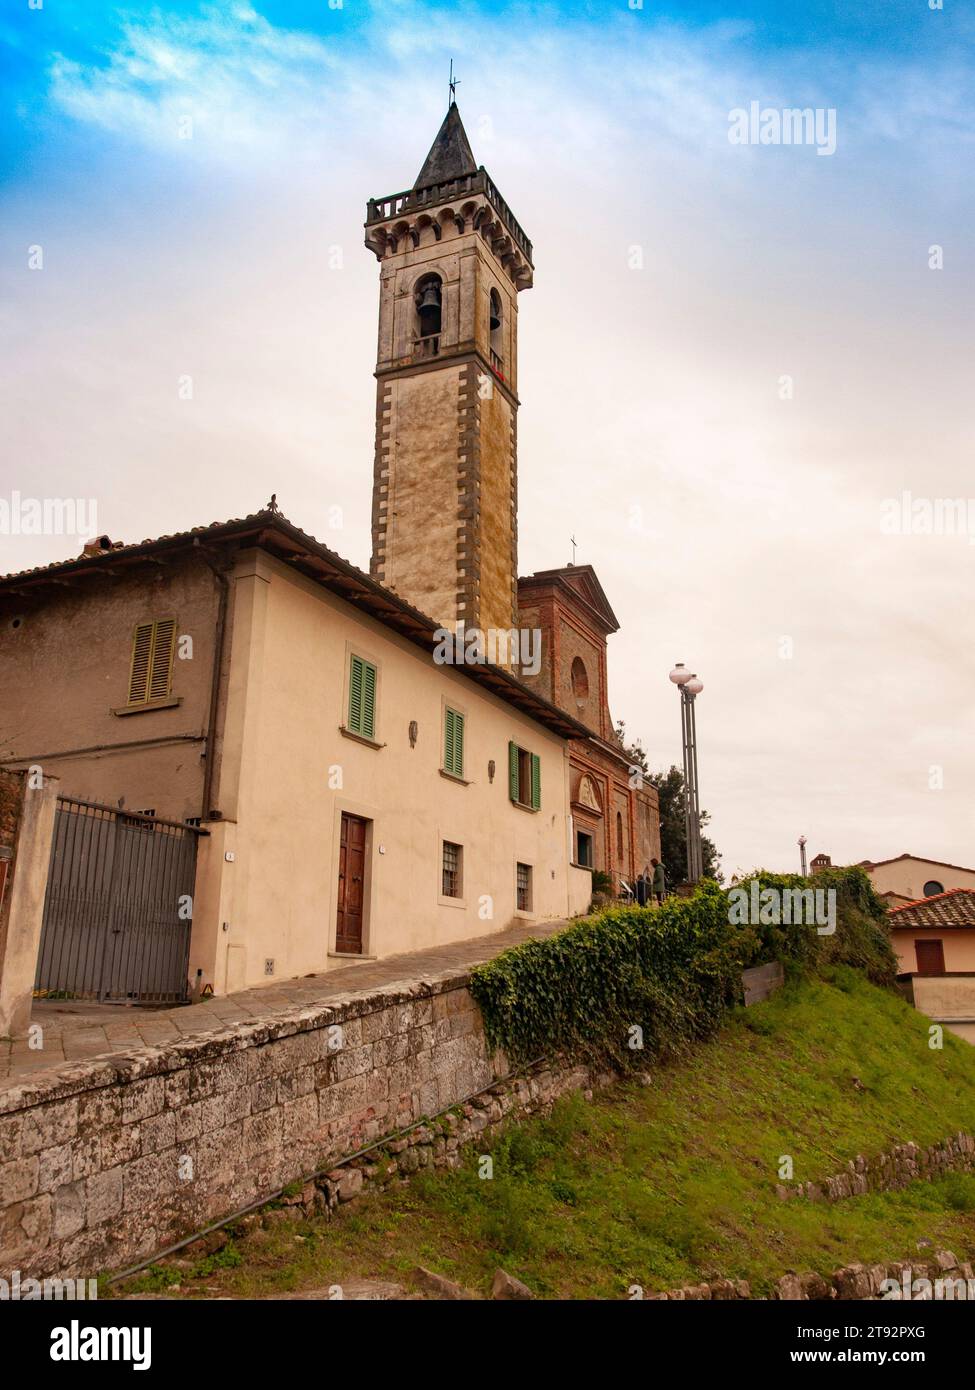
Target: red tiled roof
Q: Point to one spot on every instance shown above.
(955, 908)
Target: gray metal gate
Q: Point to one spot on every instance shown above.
(117, 915)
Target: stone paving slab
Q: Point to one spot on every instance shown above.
(81, 1030)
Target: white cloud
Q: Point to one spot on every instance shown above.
(245, 83)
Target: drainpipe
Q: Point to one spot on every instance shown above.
(222, 576)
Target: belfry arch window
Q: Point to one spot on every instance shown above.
(496, 324)
(428, 299)
(580, 680)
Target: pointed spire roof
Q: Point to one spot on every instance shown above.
(450, 154)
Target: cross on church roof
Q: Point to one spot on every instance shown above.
(454, 84)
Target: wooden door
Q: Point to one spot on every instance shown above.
(352, 871)
(930, 957)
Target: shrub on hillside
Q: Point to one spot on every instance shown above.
(861, 938)
(668, 972)
(631, 985)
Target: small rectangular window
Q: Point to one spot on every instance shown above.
(524, 777)
(452, 865)
(362, 697)
(523, 887)
(584, 849)
(453, 743)
(151, 669)
(930, 957)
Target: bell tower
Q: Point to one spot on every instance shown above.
(444, 509)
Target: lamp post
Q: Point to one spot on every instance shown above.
(802, 855)
(690, 687)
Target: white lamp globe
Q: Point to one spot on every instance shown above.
(694, 686)
(680, 674)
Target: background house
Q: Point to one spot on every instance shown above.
(908, 877)
(935, 944)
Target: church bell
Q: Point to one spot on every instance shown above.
(429, 305)
(495, 320)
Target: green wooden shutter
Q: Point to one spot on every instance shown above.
(368, 699)
(458, 744)
(453, 746)
(362, 697)
(355, 695)
(536, 782)
(448, 741)
(513, 771)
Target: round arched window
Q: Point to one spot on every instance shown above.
(580, 680)
(932, 887)
(495, 327)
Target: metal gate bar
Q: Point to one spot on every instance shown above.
(118, 911)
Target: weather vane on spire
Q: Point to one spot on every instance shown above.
(454, 83)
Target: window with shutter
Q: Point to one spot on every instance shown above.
(151, 671)
(524, 777)
(163, 650)
(453, 743)
(513, 751)
(362, 697)
(141, 655)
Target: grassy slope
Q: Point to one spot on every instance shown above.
(673, 1182)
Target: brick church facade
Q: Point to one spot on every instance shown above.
(615, 816)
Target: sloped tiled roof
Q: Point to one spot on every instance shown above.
(956, 908)
(273, 532)
(919, 858)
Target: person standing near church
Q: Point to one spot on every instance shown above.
(643, 887)
(659, 880)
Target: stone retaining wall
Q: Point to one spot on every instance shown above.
(105, 1163)
(852, 1283)
(108, 1162)
(902, 1165)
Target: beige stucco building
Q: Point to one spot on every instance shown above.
(909, 877)
(256, 734)
(348, 775)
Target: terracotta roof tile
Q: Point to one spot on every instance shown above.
(955, 908)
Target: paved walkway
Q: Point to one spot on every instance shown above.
(73, 1031)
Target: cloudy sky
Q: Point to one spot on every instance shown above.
(733, 357)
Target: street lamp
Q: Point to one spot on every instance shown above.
(690, 687)
(802, 854)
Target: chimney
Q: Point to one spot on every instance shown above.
(99, 546)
